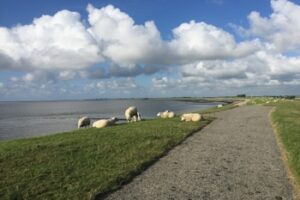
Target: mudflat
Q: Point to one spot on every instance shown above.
(235, 157)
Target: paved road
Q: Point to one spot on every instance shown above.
(235, 157)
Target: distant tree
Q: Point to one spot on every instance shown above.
(241, 95)
(290, 97)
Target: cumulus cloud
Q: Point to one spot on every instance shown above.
(50, 43)
(62, 43)
(260, 69)
(119, 84)
(281, 28)
(200, 41)
(122, 41)
(111, 44)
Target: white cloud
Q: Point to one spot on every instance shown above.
(121, 40)
(110, 44)
(66, 75)
(116, 84)
(28, 77)
(50, 43)
(281, 28)
(200, 41)
(260, 69)
(61, 43)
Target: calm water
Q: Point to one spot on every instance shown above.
(29, 119)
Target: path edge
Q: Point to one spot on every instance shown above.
(147, 165)
(284, 157)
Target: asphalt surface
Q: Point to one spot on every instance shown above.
(235, 157)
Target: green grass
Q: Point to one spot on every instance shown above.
(263, 101)
(87, 162)
(287, 121)
(215, 109)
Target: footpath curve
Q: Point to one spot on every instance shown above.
(235, 157)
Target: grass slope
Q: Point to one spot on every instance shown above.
(87, 162)
(287, 120)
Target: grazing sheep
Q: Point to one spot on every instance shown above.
(195, 117)
(220, 106)
(104, 122)
(163, 114)
(171, 114)
(139, 118)
(166, 114)
(84, 121)
(132, 114)
(136, 118)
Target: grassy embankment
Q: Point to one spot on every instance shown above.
(87, 162)
(286, 118)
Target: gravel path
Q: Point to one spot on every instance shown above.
(235, 157)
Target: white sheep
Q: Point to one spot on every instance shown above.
(132, 114)
(137, 117)
(171, 115)
(163, 114)
(166, 114)
(195, 117)
(220, 106)
(84, 121)
(104, 122)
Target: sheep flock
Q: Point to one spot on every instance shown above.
(132, 115)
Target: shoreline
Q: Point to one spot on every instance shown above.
(46, 124)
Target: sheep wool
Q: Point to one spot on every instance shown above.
(104, 122)
(195, 117)
(131, 114)
(166, 114)
(84, 121)
(171, 115)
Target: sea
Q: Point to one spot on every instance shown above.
(25, 119)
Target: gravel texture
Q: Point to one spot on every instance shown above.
(235, 157)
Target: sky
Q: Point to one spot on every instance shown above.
(59, 50)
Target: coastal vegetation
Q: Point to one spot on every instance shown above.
(88, 162)
(286, 118)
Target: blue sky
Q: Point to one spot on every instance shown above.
(69, 50)
(167, 14)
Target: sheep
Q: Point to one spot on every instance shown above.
(136, 117)
(84, 121)
(195, 117)
(132, 114)
(163, 114)
(105, 122)
(171, 115)
(166, 114)
(219, 106)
